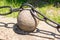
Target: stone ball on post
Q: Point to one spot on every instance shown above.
(26, 21)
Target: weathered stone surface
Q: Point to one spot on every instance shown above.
(26, 21)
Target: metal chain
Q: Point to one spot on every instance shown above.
(45, 19)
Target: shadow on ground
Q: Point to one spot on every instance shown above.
(6, 25)
(21, 32)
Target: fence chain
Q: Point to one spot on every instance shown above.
(32, 10)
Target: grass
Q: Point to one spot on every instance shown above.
(13, 4)
(51, 12)
(48, 10)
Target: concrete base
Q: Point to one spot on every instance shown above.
(12, 32)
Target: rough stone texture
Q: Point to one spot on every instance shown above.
(26, 21)
(11, 32)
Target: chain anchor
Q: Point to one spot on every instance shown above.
(32, 11)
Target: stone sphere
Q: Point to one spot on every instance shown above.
(26, 21)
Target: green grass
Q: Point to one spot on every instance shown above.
(51, 12)
(13, 4)
(48, 10)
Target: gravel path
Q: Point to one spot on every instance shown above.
(11, 32)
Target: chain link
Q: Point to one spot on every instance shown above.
(45, 19)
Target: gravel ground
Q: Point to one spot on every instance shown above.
(12, 32)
